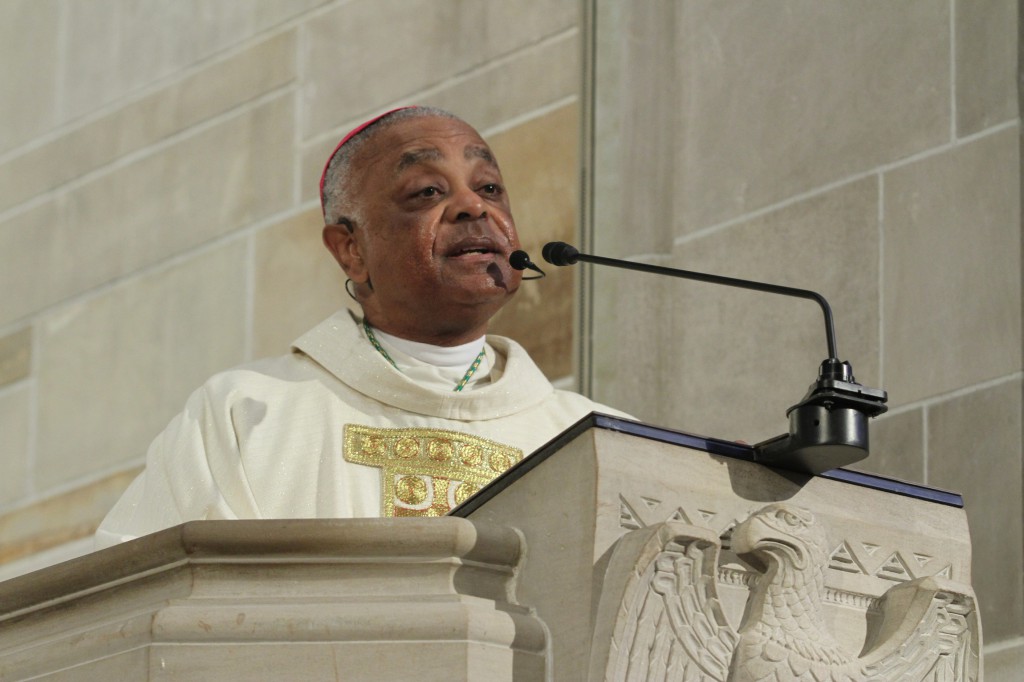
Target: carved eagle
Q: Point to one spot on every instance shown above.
(660, 617)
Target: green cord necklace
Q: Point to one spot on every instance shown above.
(458, 387)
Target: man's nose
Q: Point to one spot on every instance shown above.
(466, 205)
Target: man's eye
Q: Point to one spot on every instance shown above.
(429, 192)
(491, 188)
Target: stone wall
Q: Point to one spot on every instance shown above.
(159, 162)
(868, 151)
(158, 221)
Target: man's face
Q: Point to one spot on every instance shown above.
(435, 228)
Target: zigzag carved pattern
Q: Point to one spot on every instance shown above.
(862, 558)
(890, 564)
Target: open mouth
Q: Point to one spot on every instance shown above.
(469, 248)
(796, 553)
(463, 252)
(782, 544)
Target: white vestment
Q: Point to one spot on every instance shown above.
(333, 430)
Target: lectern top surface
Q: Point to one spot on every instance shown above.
(712, 446)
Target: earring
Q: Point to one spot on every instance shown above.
(349, 291)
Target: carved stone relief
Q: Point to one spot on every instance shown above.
(660, 615)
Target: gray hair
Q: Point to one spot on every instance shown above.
(339, 203)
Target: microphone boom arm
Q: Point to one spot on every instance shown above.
(571, 257)
(828, 427)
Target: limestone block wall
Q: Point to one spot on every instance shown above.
(868, 151)
(159, 162)
(158, 220)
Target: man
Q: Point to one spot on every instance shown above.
(405, 412)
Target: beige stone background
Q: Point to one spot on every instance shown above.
(866, 150)
(158, 221)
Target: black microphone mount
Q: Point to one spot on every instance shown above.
(828, 427)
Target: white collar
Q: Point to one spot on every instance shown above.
(339, 346)
(439, 356)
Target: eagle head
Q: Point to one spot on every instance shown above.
(783, 534)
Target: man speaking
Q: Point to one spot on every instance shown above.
(405, 412)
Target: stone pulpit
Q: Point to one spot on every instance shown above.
(659, 555)
(619, 551)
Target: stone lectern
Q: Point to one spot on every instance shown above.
(618, 551)
(658, 555)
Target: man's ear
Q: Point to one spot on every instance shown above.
(341, 241)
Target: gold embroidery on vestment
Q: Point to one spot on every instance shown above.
(427, 472)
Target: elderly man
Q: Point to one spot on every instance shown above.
(405, 412)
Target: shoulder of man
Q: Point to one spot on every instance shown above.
(271, 374)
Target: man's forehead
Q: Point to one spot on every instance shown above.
(424, 140)
(421, 154)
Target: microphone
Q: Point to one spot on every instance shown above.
(560, 253)
(520, 260)
(828, 427)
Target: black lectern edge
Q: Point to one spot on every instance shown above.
(712, 446)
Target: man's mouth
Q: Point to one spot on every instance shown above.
(469, 248)
(463, 252)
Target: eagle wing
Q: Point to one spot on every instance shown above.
(659, 616)
(928, 632)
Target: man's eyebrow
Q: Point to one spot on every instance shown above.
(476, 151)
(416, 156)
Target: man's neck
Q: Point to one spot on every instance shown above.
(444, 337)
(440, 356)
